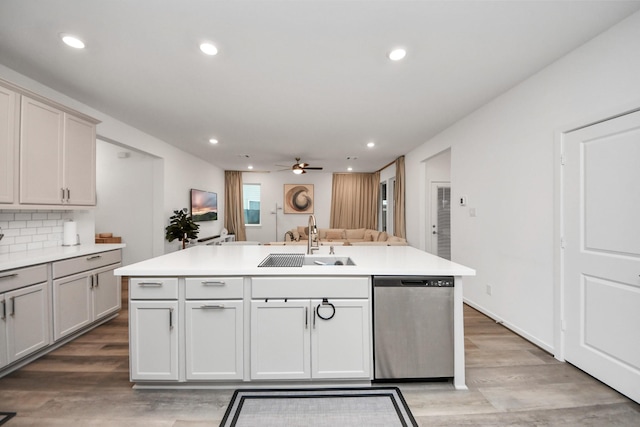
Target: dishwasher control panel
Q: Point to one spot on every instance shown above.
(414, 281)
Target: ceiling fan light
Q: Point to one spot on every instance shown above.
(298, 171)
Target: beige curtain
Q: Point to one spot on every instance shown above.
(233, 205)
(399, 223)
(354, 200)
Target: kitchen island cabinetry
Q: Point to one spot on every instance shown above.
(153, 329)
(84, 290)
(238, 324)
(214, 328)
(24, 313)
(310, 338)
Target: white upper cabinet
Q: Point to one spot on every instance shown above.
(41, 132)
(57, 156)
(9, 106)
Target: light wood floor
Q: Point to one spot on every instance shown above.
(511, 382)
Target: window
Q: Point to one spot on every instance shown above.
(251, 203)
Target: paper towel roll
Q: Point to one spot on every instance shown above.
(69, 234)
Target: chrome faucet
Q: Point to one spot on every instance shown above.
(312, 243)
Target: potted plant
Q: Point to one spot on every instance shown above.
(181, 227)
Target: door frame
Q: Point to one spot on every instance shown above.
(560, 136)
(433, 216)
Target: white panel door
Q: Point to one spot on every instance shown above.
(340, 344)
(601, 223)
(280, 339)
(215, 339)
(153, 340)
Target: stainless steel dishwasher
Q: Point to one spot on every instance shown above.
(413, 327)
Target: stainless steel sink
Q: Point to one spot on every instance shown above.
(328, 260)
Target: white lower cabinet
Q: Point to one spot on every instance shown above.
(214, 340)
(153, 340)
(83, 298)
(24, 322)
(317, 339)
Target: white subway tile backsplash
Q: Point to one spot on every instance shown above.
(22, 216)
(30, 229)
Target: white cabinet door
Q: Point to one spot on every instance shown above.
(79, 161)
(280, 339)
(72, 304)
(340, 339)
(41, 148)
(8, 144)
(4, 345)
(27, 320)
(153, 338)
(214, 340)
(106, 292)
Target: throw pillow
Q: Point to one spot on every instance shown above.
(296, 236)
(356, 233)
(382, 237)
(374, 235)
(334, 235)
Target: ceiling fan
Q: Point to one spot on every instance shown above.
(300, 167)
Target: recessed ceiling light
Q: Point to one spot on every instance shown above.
(397, 54)
(371, 144)
(72, 41)
(208, 49)
(213, 141)
(349, 168)
(250, 167)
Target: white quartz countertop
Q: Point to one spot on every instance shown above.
(238, 260)
(40, 256)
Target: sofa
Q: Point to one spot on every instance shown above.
(345, 236)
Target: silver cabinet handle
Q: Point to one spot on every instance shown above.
(8, 276)
(13, 306)
(91, 281)
(68, 194)
(212, 306)
(97, 280)
(4, 310)
(150, 284)
(91, 258)
(306, 317)
(62, 198)
(171, 318)
(314, 317)
(213, 282)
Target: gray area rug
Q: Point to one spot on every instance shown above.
(374, 406)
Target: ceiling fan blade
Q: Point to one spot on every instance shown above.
(313, 168)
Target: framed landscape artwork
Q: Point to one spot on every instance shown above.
(298, 198)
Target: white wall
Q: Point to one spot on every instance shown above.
(272, 194)
(175, 175)
(503, 158)
(125, 188)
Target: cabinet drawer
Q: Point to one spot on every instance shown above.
(214, 287)
(14, 279)
(310, 287)
(84, 263)
(153, 288)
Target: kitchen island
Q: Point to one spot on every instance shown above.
(209, 316)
